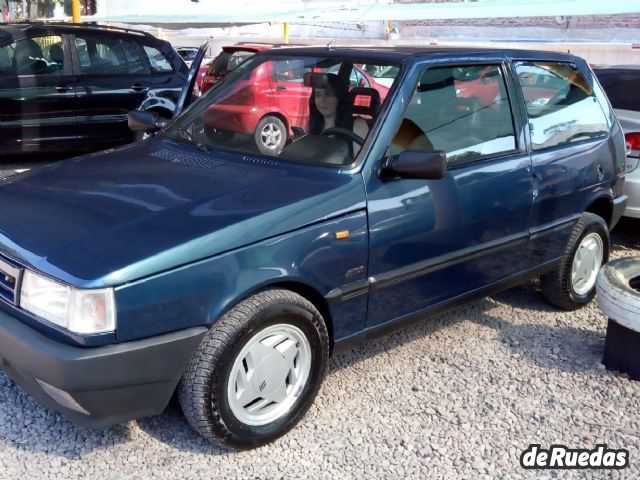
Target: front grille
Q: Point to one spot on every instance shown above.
(10, 273)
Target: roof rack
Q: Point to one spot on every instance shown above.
(40, 23)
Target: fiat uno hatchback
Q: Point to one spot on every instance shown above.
(190, 262)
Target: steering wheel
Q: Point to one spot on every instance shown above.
(344, 133)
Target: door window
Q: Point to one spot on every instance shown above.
(157, 60)
(561, 104)
(449, 111)
(33, 56)
(132, 55)
(100, 55)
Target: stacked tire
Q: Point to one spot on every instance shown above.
(618, 288)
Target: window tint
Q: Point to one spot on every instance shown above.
(561, 104)
(621, 86)
(33, 56)
(157, 60)
(131, 54)
(452, 111)
(100, 55)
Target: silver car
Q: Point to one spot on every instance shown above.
(621, 83)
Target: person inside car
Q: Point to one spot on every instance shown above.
(330, 107)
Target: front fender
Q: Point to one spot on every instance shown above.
(198, 294)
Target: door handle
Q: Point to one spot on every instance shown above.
(137, 87)
(63, 88)
(281, 88)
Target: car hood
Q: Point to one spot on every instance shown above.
(110, 218)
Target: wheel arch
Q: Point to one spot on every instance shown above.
(603, 207)
(302, 288)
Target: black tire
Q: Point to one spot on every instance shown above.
(557, 287)
(278, 127)
(203, 389)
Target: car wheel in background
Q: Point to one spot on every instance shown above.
(270, 135)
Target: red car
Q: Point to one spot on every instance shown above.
(230, 57)
(271, 104)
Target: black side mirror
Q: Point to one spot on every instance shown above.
(417, 164)
(146, 122)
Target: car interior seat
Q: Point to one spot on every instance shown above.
(27, 58)
(56, 54)
(365, 103)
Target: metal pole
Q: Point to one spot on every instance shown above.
(285, 32)
(75, 11)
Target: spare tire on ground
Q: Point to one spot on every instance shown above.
(618, 288)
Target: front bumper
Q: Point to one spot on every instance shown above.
(107, 385)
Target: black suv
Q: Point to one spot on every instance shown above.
(68, 88)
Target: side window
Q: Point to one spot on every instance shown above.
(33, 56)
(134, 60)
(452, 111)
(100, 55)
(157, 60)
(561, 104)
(289, 71)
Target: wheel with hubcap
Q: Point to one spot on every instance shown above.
(257, 371)
(573, 283)
(270, 135)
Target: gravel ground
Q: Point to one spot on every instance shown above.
(457, 396)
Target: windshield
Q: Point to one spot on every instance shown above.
(315, 110)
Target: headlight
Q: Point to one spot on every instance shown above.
(79, 311)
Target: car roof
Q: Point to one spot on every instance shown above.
(401, 53)
(23, 29)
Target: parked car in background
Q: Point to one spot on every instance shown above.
(622, 84)
(68, 88)
(271, 104)
(188, 54)
(192, 263)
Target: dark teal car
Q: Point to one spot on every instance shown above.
(190, 262)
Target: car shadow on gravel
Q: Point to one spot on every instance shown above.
(626, 235)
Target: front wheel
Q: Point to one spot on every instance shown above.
(573, 283)
(257, 371)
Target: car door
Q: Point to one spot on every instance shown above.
(288, 91)
(432, 241)
(110, 79)
(190, 91)
(569, 136)
(37, 110)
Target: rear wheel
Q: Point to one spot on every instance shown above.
(257, 371)
(270, 135)
(573, 283)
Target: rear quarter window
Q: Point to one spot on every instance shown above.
(561, 104)
(158, 61)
